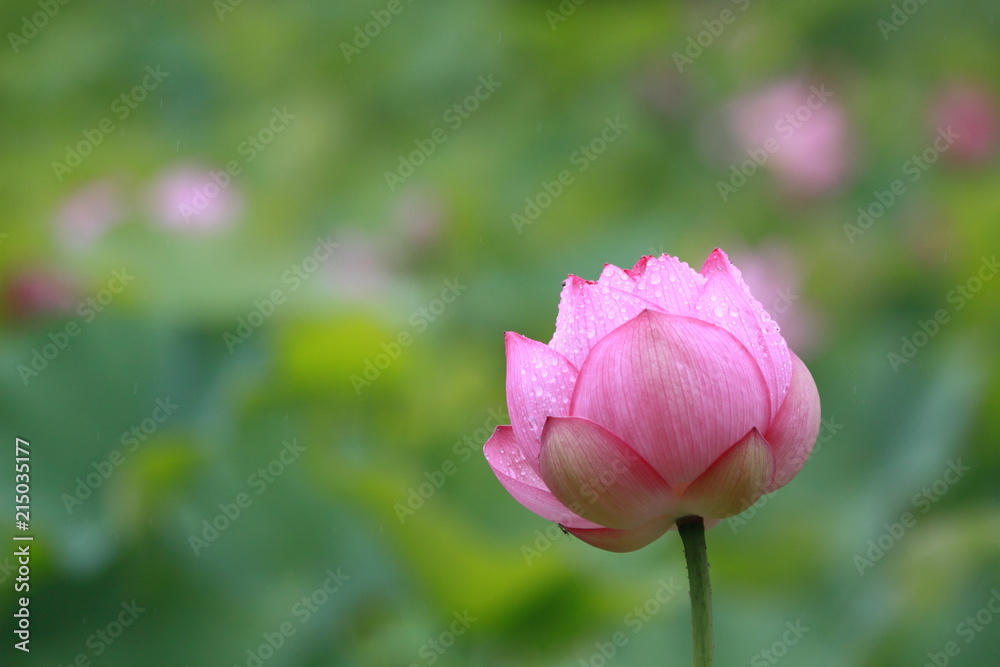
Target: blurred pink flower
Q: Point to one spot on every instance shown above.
(361, 271)
(664, 393)
(798, 131)
(973, 113)
(35, 292)
(774, 275)
(195, 199)
(419, 215)
(89, 213)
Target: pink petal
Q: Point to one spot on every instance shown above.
(666, 281)
(505, 457)
(588, 311)
(727, 302)
(539, 384)
(678, 390)
(734, 482)
(600, 477)
(622, 541)
(794, 429)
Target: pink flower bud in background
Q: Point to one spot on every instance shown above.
(773, 273)
(973, 113)
(194, 199)
(799, 132)
(88, 214)
(663, 393)
(36, 292)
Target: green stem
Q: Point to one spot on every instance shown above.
(692, 530)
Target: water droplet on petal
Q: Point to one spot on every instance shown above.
(654, 279)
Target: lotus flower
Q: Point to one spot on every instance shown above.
(664, 393)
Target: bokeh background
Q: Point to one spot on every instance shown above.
(258, 257)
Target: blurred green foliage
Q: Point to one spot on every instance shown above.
(388, 574)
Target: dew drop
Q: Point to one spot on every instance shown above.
(654, 279)
(719, 312)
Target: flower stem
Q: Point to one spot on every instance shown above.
(692, 530)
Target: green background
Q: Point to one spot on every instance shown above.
(536, 596)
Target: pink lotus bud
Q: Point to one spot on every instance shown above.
(194, 199)
(89, 213)
(972, 114)
(38, 292)
(664, 393)
(799, 132)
